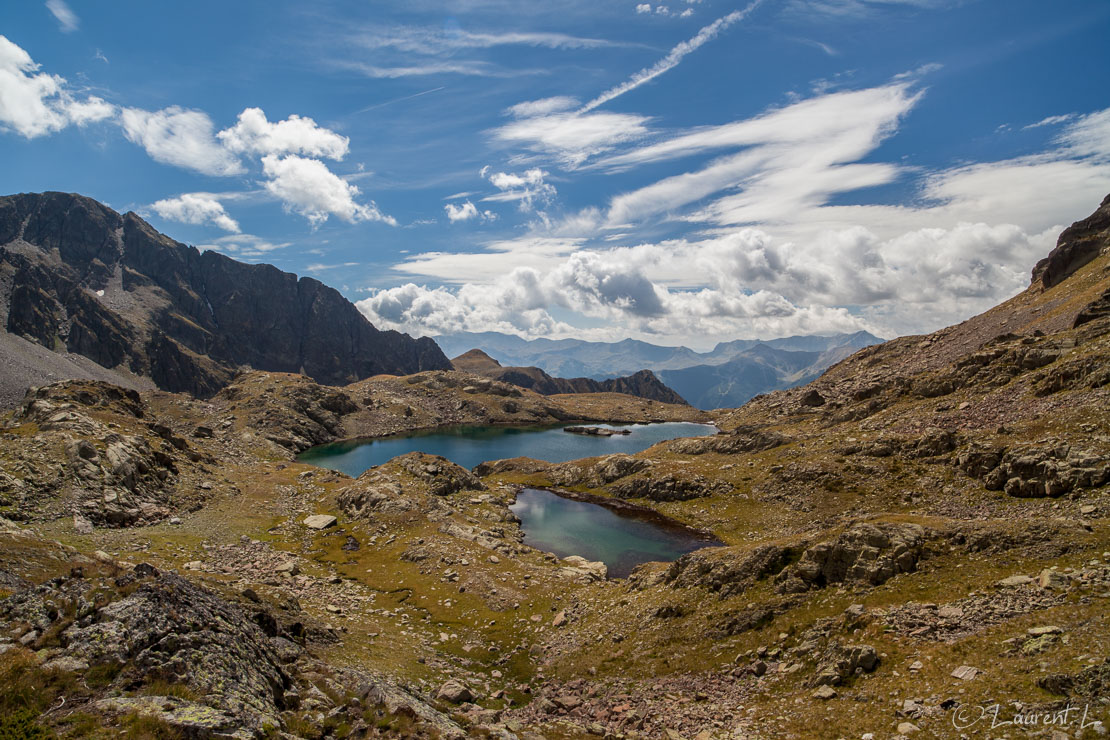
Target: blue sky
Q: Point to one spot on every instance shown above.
(681, 172)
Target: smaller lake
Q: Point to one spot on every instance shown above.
(620, 539)
(470, 445)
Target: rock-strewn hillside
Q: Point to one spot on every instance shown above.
(76, 276)
(643, 384)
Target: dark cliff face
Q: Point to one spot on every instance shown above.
(1078, 244)
(78, 275)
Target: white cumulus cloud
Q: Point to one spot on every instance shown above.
(34, 103)
(253, 134)
(467, 211)
(196, 208)
(528, 188)
(180, 137)
(308, 187)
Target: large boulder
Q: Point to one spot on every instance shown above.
(727, 571)
(868, 554)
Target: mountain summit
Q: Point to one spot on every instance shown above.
(77, 277)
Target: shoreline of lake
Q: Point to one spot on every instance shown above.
(470, 445)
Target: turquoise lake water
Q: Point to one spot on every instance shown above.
(620, 539)
(470, 445)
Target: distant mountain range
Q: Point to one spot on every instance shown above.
(728, 375)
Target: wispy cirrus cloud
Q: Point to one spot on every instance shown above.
(396, 52)
(422, 69)
(67, 19)
(788, 159)
(859, 8)
(547, 127)
(244, 246)
(435, 41)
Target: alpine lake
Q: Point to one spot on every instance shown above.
(618, 534)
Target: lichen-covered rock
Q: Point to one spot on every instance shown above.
(1092, 682)
(869, 553)
(79, 463)
(727, 571)
(740, 440)
(668, 487)
(577, 568)
(613, 467)
(454, 692)
(838, 663)
(1048, 468)
(441, 476)
(166, 629)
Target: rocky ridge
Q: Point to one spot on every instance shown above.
(76, 275)
(643, 384)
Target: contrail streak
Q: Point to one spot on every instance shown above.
(669, 62)
(398, 100)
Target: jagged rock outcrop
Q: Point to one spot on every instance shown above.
(290, 410)
(728, 571)
(1048, 468)
(79, 465)
(1078, 244)
(232, 669)
(167, 629)
(869, 554)
(407, 483)
(80, 276)
(736, 441)
(643, 384)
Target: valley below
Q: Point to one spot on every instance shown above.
(917, 535)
